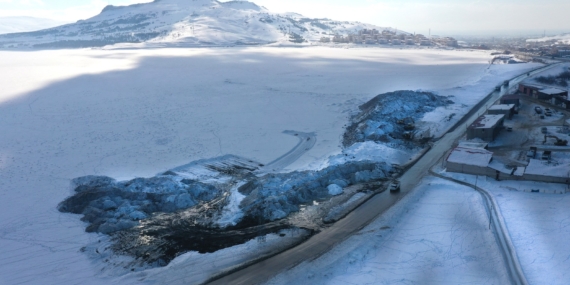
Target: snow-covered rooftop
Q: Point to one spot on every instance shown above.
(540, 167)
(504, 107)
(552, 91)
(500, 167)
(472, 144)
(470, 156)
(487, 121)
(520, 171)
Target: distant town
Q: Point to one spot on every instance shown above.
(387, 37)
(520, 46)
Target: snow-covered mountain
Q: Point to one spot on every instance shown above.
(563, 38)
(187, 23)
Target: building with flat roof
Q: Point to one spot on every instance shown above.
(541, 91)
(469, 160)
(486, 127)
(540, 170)
(511, 99)
(503, 109)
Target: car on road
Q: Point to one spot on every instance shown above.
(394, 186)
(548, 113)
(538, 110)
(544, 130)
(509, 129)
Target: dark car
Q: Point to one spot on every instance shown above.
(538, 110)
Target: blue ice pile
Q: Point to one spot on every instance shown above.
(109, 206)
(379, 118)
(275, 196)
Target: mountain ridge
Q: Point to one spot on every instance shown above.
(185, 23)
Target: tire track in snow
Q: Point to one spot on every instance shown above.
(306, 142)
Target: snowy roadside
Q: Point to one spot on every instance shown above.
(537, 222)
(437, 234)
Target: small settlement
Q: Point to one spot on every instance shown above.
(524, 137)
(389, 37)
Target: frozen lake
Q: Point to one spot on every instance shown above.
(130, 113)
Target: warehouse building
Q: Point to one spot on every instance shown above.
(486, 127)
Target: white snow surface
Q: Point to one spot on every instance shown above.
(538, 223)
(437, 234)
(135, 113)
(470, 156)
(370, 150)
(232, 214)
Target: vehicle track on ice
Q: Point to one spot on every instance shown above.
(306, 142)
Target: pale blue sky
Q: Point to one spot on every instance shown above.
(442, 16)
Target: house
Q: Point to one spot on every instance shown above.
(469, 160)
(549, 93)
(530, 90)
(511, 99)
(541, 92)
(503, 109)
(486, 127)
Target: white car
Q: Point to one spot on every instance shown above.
(394, 186)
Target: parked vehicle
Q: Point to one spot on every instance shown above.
(544, 130)
(558, 142)
(509, 129)
(538, 110)
(546, 155)
(532, 152)
(394, 186)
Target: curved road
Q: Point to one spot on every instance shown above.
(306, 142)
(368, 211)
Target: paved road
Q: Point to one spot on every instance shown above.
(363, 215)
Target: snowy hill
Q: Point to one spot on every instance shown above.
(25, 24)
(184, 23)
(563, 38)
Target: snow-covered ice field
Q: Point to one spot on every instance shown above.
(130, 113)
(438, 234)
